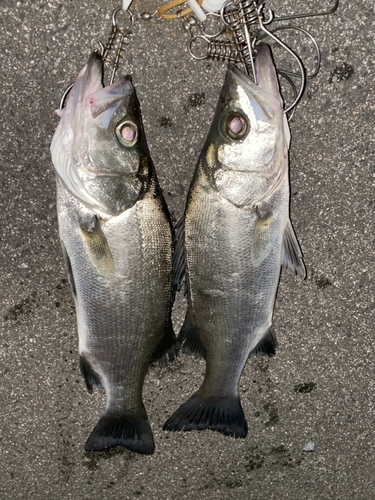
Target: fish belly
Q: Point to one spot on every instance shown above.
(231, 298)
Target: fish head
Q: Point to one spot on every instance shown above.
(249, 133)
(100, 142)
(111, 122)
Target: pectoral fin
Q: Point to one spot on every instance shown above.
(291, 257)
(262, 237)
(69, 270)
(97, 246)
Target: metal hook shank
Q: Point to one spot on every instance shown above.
(315, 43)
(299, 62)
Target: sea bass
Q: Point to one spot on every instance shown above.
(231, 243)
(116, 237)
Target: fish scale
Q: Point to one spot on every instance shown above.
(239, 299)
(116, 236)
(231, 243)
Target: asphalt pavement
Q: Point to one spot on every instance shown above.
(311, 408)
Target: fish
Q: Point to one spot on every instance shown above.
(230, 244)
(116, 235)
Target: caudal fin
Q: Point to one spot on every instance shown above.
(223, 415)
(131, 432)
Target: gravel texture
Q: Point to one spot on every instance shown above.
(311, 408)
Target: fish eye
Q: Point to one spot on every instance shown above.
(127, 133)
(235, 125)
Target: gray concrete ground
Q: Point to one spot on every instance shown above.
(320, 386)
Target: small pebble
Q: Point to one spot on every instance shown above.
(310, 446)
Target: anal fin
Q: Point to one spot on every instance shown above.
(267, 345)
(178, 260)
(167, 348)
(90, 375)
(188, 337)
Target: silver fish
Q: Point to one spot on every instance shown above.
(231, 243)
(116, 237)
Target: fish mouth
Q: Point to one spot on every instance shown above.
(102, 102)
(264, 95)
(265, 73)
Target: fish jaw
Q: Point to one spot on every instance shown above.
(265, 73)
(87, 155)
(267, 79)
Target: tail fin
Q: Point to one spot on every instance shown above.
(113, 430)
(223, 415)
